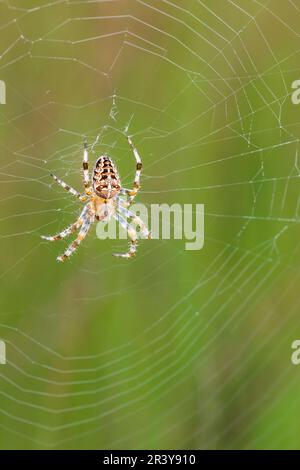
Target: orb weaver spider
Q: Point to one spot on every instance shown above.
(103, 202)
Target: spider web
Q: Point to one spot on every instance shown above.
(94, 359)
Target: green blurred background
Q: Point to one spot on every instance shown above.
(174, 349)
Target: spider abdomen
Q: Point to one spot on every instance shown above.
(106, 180)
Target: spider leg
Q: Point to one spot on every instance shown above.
(85, 166)
(87, 222)
(132, 235)
(63, 234)
(136, 220)
(68, 188)
(136, 185)
(126, 192)
(67, 231)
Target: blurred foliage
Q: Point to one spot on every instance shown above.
(174, 349)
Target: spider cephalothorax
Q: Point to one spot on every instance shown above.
(103, 202)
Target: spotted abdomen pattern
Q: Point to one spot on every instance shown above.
(106, 180)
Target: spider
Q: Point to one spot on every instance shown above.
(103, 202)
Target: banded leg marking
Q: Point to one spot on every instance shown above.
(69, 230)
(85, 167)
(139, 165)
(63, 234)
(68, 188)
(74, 245)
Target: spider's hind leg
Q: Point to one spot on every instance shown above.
(132, 235)
(136, 221)
(87, 222)
(69, 230)
(64, 233)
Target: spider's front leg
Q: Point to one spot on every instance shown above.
(137, 180)
(85, 167)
